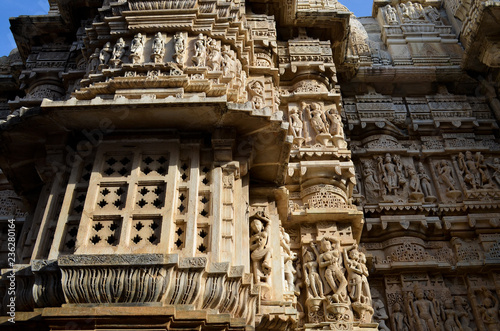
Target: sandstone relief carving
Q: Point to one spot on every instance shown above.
(179, 48)
(200, 51)
(158, 48)
(137, 48)
(118, 53)
(260, 248)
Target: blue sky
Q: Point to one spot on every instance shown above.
(14, 8)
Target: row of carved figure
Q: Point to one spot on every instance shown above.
(411, 13)
(207, 52)
(425, 311)
(333, 277)
(393, 178)
(325, 124)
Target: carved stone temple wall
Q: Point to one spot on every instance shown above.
(251, 165)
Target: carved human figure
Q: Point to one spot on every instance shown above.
(258, 102)
(260, 249)
(105, 54)
(484, 177)
(214, 58)
(227, 61)
(398, 318)
(336, 126)
(277, 98)
(357, 276)
(438, 308)
(380, 314)
(496, 168)
(94, 61)
(158, 48)
(489, 311)
(390, 15)
(415, 10)
(452, 323)
(424, 311)
(405, 12)
(425, 180)
(316, 117)
(469, 169)
(419, 10)
(256, 90)
(311, 275)
(433, 14)
(288, 258)
(297, 280)
(445, 175)
(200, 51)
(389, 173)
(464, 313)
(137, 48)
(371, 184)
(296, 123)
(118, 50)
(179, 48)
(330, 260)
(257, 87)
(414, 180)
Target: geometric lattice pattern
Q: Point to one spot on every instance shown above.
(117, 166)
(106, 231)
(146, 231)
(112, 197)
(150, 197)
(154, 164)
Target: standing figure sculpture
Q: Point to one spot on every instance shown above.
(445, 175)
(296, 123)
(489, 311)
(93, 62)
(371, 184)
(469, 169)
(200, 51)
(256, 91)
(330, 260)
(357, 273)
(288, 258)
(452, 323)
(105, 54)
(415, 188)
(398, 318)
(438, 308)
(389, 174)
(464, 313)
(158, 48)
(390, 15)
(214, 55)
(423, 311)
(433, 14)
(228, 65)
(380, 315)
(496, 168)
(484, 176)
(137, 48)
(260, 249)
(425, 180)
(316, 117)
(118, 52)
(179, 48)
(311, 275)
(336, 126)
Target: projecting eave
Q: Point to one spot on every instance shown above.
(260, 133)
